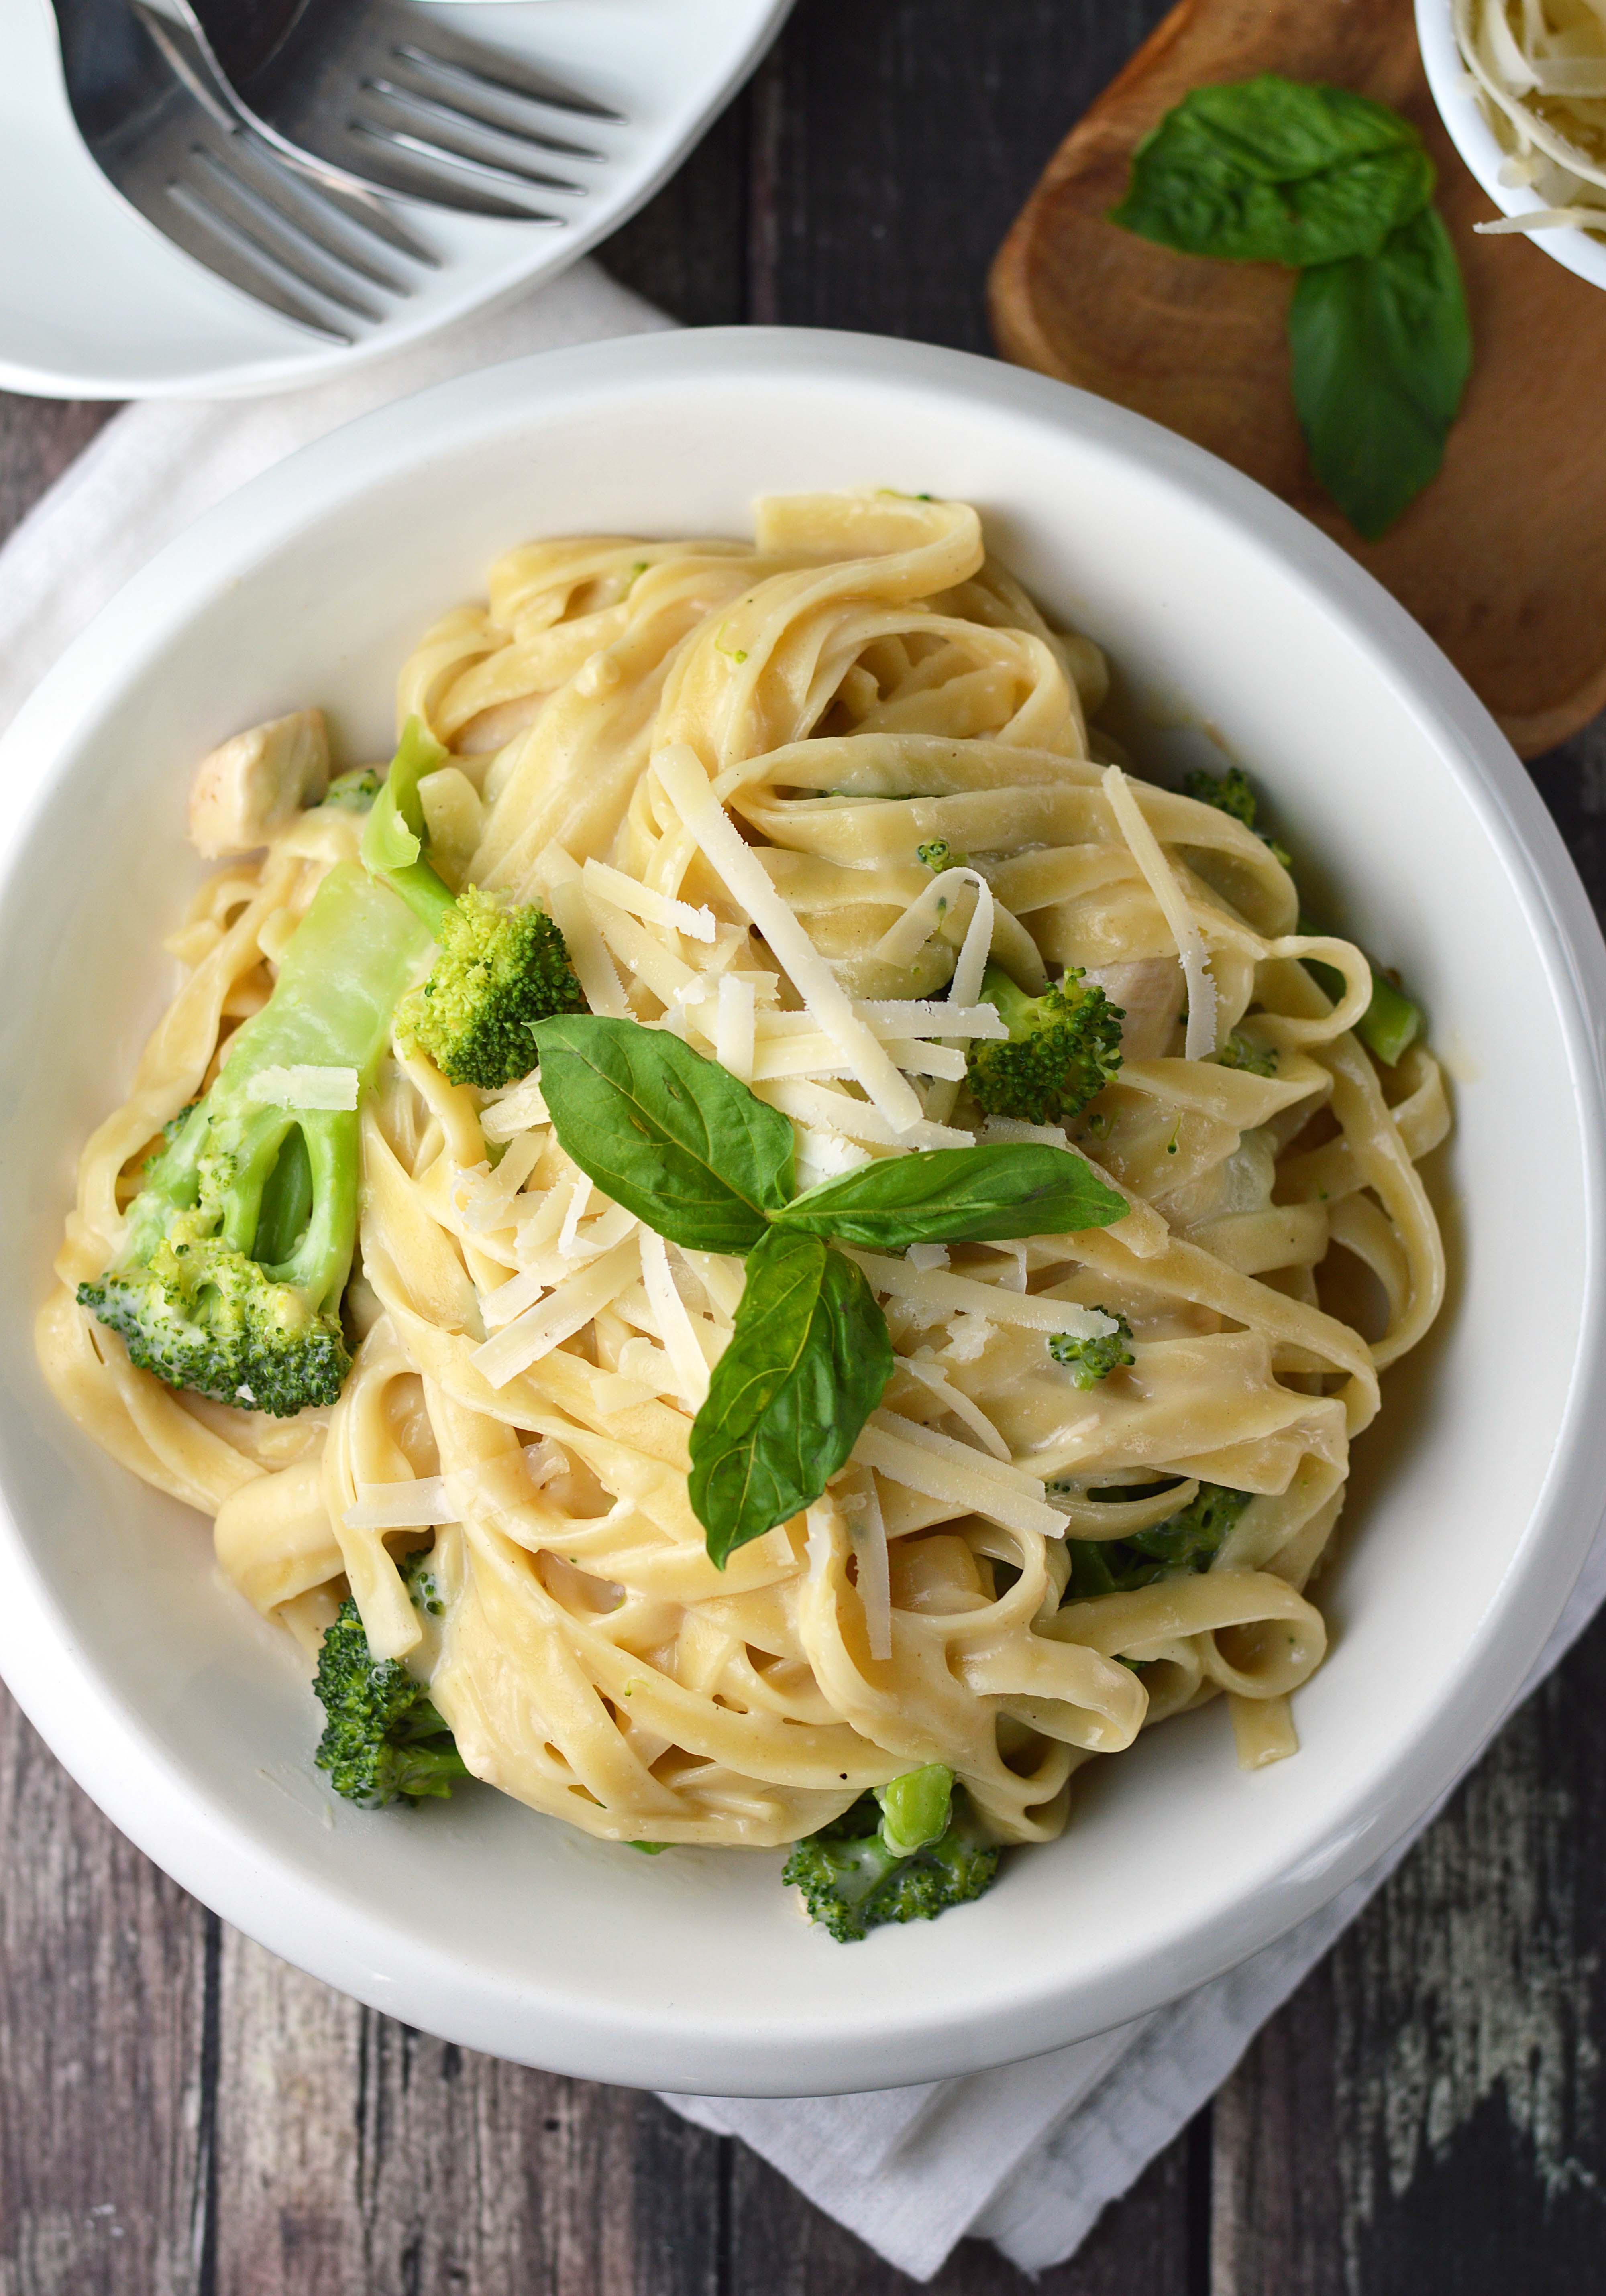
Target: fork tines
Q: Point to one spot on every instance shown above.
(472, 98)
(304, 248)
(494, 68)
(441, 132)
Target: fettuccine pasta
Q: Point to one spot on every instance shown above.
(789, 801)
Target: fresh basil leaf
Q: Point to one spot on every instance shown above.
(802, 1371)
(997, 1190)
(1274, 170)
(1382, 347)
(675, 1138)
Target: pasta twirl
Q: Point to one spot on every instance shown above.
(788, 801)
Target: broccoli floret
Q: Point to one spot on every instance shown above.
(239, 1243)
(355, 792)
(503, 965)
(1233, 793)
(1229, 792)
(879, 1862)
(1241, 1052)
(174, 1126)
(1064, 1046)
(939, 855)
(1089, 1361)
(500, 970)
(1186, 1541)
(383, 1740)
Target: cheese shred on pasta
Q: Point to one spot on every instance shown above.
(1539, 70)
(716, 766)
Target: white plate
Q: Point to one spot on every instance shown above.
(94, 303)
(1455, 93)
(1475, 1499)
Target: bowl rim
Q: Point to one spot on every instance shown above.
(208, 1848)
(1458, 107)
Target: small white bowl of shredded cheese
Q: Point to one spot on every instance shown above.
(1520, 85)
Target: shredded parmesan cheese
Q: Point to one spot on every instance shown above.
(1161, 878)
(942, 1293)
(569, 1246)
(488, 1204)
(733, 1029)
(653, 908)
(1539, 72)
(745, 876)
(515, 1112)
(557, 1318)
(673, 1320)
(826, 1111)
(572, 913)
(923, 1016)
(418, 1505)
(303, 1086)
(1015, 1128)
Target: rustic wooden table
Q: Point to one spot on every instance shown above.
(180, 2115)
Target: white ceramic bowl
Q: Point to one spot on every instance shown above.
(1455, 93)
(1475, 1499)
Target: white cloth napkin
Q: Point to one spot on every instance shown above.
(1030, 2156)
(1026, 2156)
(156, 466)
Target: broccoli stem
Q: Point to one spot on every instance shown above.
(287, 1206)
(394, 838)
(916, 1809)
(1009, 1001)
(292, 1205)
(347, 964)
(239, 1244)
(1392, 1021)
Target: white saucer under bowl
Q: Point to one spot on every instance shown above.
(94, 303)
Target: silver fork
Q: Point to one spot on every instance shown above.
(322, 258)
(381, 92)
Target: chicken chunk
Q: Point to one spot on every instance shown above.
(1150, 993)
(254, 784)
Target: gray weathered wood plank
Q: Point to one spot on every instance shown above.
(1432, 2099)
(781, 2246)
(107, 1974)
(358, 2154)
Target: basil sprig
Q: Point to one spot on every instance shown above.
(1274, 170)
(685, 1146)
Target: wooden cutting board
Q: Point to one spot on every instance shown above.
(1503, 557)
